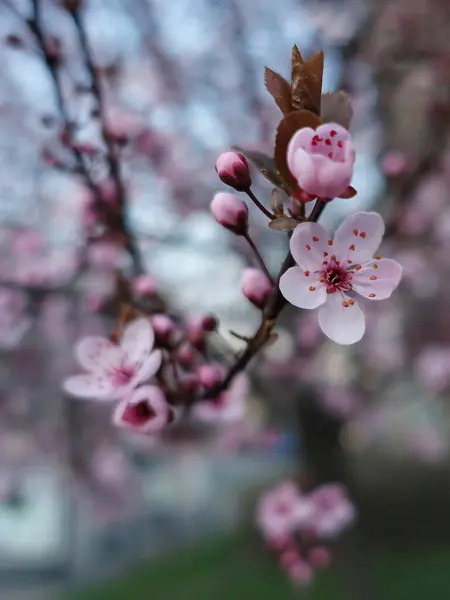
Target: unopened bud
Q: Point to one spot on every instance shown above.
(232, 169)
(255, 286)
(144, 285)
(319, 557)
(230, 212)
(185, 355)
(163, 326)
(209, 375)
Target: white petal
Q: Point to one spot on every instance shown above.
(342, 324)
(90, 385)
(309, 246)
(137, 340)
(302, 291)
(358, 237)
(91, 352)
(378, 278)
(149, 367)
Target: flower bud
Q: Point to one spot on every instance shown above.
(162, 326)
(144, 285)
(232, 169)
(319, 557)
(185, 355)
(230, 212)
(255, 286)
(209, 375)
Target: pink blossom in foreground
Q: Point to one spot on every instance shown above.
(322, 160)
(329, 269)
(255, 286)
(144, 410)
(230, 211)
(113, 370)
(232, 169)
(227, 407)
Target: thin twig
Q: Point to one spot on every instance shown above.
(261, 207)
(259, 258)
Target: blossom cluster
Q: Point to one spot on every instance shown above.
(299, 527)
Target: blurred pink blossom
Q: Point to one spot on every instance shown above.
(113, 370)
(227, 407)
(395, 163)
(432, 368)
(255, 286)
(144, 410)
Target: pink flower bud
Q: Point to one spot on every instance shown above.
(163, 326)
(232, 169)
(255, 286)
(209, 323)
(319, 557)
(144, 285)
(230, 212)
(185, 355)
(209, 375)
(197, 325)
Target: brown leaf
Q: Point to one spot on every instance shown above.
(283, 224)
(336, 108)
(306, 83)
(264, 163)
(349, 192)
(288, 126)
(276, 202)
(297, 58)
(279, 89)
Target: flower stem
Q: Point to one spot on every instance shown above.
(262, 208)
(317, 210)
(259, 258)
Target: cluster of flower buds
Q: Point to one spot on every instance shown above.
(300, 526)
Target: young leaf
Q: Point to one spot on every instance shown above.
(264, 163)
(279, 89)
(349, 192)
(336, 108)
(307, 83)
(288, 126)
(283, 224)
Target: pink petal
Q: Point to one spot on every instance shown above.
(309, 246)
(302, 291)
(332, 178)
(89, 385)
(378, 279)
(342, 134)
(358, 237)
(129, 413)
(342, 324)
(137, 340)
(149, 367)
(300, 140)
(91, 352)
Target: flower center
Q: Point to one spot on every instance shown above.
(123, 376)
(144, 411)
(335, 277)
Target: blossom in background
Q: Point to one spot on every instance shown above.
(322, 160)
(226, 407)
(328, 270)
(333, 511)
(144, 410)
(115, 369)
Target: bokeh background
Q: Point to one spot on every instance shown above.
(88, 513)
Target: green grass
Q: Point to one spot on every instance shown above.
(233, 567)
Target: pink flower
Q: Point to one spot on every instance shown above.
(333, 511)
(255, 286)
(231, 212)
(329, 269)
(144, 410)
(227, 407)
(144, 285)
(163, 326)
(113, 370)
(281, 511)
(232, 169)
(395, 163)
(319, 557)
(322, 161)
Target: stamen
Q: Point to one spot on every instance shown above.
(358, 268)
(373, 277)
(307, 273)
(333, 132)
(372, 295)
(375, 266)
(378, 257)
(355, 232)
(315, 239)
(362, 234)
(351, 301)
(308, 247)
(351, 247)
(312, 288)
(339, 144)
(328, 142)
(346, 303)
(330, 242)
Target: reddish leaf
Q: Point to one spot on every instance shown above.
(336, 108)
(307, 83)
(288, 126)
(349, 192)
(279, 89)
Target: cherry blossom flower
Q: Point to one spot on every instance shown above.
(333, 511)
(322, 160)
(281, 511)
(328, 270)
(113, 370)
(144, 410)
(227, 407)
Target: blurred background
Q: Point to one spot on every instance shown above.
(86, 512)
